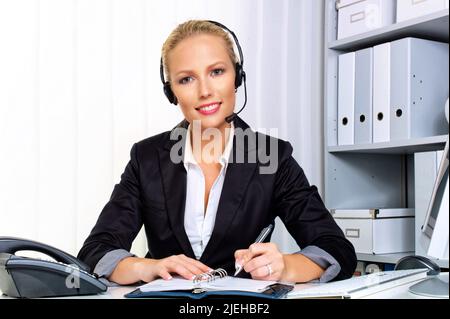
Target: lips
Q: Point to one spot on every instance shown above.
(210, 108)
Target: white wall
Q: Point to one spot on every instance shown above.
(79, 84)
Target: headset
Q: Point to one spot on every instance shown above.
(238, 81)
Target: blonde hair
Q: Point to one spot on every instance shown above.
(188, 29)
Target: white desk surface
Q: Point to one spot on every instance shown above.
(399, 292)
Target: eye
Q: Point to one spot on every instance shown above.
(217, 71)
(185, 80)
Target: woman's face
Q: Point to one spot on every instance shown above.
(202, 78)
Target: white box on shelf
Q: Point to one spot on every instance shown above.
(359, 16)
(377, 231)
(409, 9)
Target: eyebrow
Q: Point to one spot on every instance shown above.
(209, 66)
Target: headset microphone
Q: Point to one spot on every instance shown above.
(231, 117)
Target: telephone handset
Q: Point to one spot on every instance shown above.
(33, 278)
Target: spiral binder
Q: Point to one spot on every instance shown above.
(204, 285)
(210, 275)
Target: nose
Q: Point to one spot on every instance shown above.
(204, 88)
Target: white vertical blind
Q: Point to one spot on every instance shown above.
(19, 113)
(57, 125)
(79, 84)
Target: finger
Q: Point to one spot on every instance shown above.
(256, 250)
(239, 256)
(249, 255)
(267, 267)
(262, 273)
(193, 267)
(257, 262)
(245, 255)
(164, 274)
(180, 269)
(260, 248)
(201, 267)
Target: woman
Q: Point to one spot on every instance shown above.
(204, 207)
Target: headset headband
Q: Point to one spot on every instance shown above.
(236, 41)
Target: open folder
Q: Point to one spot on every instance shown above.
(215, 283)
(360, 286)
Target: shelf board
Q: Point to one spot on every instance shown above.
(393, 258)
(433, 26)
(410, 146)
(383, 258)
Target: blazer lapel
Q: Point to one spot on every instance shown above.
(174, 183)
(237, 178)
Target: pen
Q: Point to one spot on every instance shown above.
(260, 238)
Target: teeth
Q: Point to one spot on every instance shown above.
(209, 108)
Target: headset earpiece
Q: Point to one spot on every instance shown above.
(240, 75)
(169, 93)
(166, 85)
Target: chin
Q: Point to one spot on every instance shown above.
(213, 123)
(217, 121)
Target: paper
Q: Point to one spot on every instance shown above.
(357, 287)
(225, 283)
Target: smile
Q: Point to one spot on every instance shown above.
(209, 109)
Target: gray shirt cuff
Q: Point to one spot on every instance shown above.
(109, 262)
(324, 260)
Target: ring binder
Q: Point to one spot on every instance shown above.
(210, 276)
(208, 285)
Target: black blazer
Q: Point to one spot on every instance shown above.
(152, 192)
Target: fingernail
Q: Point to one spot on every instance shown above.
(238, 263)
(169, 278)
(193, 277)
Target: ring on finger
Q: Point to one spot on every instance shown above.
(269, 270)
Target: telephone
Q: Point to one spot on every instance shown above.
(25, 277)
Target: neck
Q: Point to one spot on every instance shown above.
(208, 144)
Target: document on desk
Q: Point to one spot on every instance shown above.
(225, 283)
(358, 287)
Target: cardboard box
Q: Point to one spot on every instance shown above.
(359, 16)
(409, 9)
(377, 231)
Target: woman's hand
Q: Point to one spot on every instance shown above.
(150, 269)
(262, 260)
(265, 262)
(132, 269)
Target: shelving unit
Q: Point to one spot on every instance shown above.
(381, 174)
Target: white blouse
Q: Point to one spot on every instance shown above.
(198, 224)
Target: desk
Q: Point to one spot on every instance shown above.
(399, 292)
